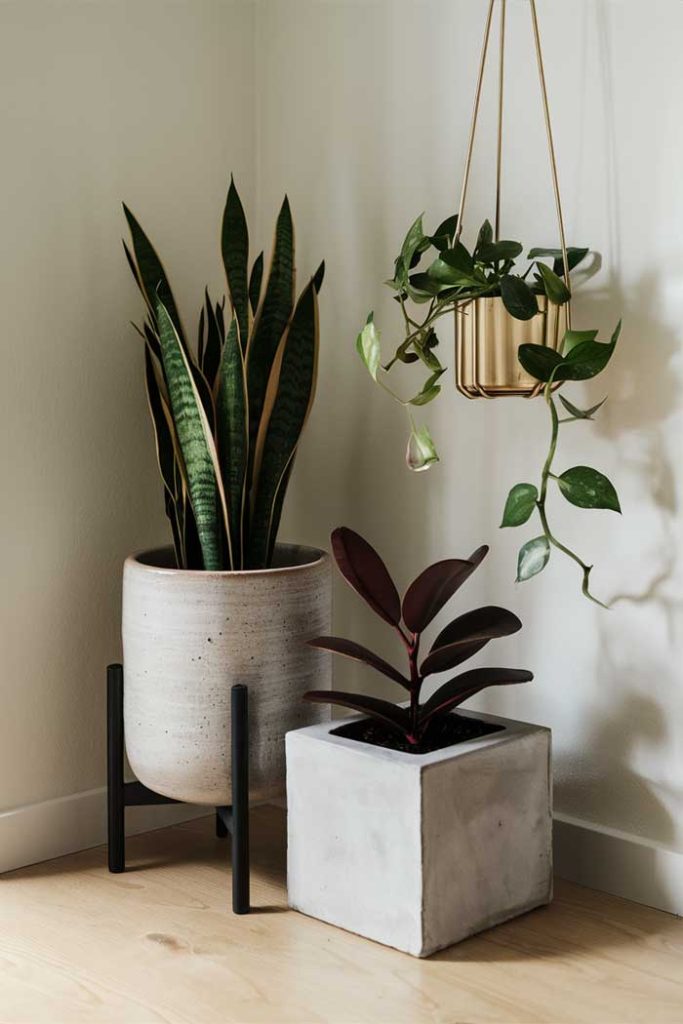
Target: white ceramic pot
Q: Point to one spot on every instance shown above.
(419, 850)
(188, 636)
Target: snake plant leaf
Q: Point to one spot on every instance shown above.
(521, 502)
(433, 588)
(532, 558)
(391, 715)
(465, 685)
(554, 286)
(581, 414)
(350, 649)
(489, 622)
(287, 402)
(518, 298)
(319, 277)
(165, 449)
(176, 531)
(276, 512)
(214, 343)
(192, 545)
(364, 570)
(151, 273)
(200, 339)
(587, 488)
(152, 339)
(270, 322)
(255, 279)
(196, 443)
(163, 425)
(220, 319)
(232, 437)
(205, 393)
(134, 270)
(235, 249)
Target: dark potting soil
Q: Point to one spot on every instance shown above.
(445, 731)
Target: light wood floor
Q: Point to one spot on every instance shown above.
(157, 944)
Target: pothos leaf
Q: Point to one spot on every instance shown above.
(411, 243)
(581, 414)
(518, 298)
(573, 338)
(533, 558)
(521, 502)
(421, 451)
(587, 488)
(554, 286)
(368, 346)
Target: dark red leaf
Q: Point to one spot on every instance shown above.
(457, 690)
(361, 566)
(383, 710)
(451, 655)
(469, 632)
(489, 621)
(478, 556)
(350, 649)
(426, 596)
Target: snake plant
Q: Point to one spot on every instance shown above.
(229, 414)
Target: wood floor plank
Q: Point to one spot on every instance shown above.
(158, 944)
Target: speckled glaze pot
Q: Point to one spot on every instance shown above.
(188, 636)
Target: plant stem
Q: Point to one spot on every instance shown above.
(415, 683)
(412, 645)
(541, 502)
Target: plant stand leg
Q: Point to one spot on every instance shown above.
(221, 830)
(115, 791)
(120, 794)
(240, 799)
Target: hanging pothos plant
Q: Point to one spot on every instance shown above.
(454, 278)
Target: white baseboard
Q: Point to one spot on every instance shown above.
(618, 863)
(596, 856)
(68, 824)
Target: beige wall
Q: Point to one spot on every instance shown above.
(359, 109)
(368, 129)
(152, 102)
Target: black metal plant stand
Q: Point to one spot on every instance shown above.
(120, 794)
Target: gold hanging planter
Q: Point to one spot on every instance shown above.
(487, 339)
(487, 336)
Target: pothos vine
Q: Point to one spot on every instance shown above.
(454, 278)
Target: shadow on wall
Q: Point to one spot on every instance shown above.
(622, 731)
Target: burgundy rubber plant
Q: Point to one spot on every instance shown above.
(462, 638)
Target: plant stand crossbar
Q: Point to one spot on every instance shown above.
(233, 819)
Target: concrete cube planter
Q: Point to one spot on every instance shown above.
(419, 851)
(188, 636)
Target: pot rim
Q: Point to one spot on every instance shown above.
(320, 557)
(512, 730)
(542, 299)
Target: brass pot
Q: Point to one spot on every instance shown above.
(487, 338)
